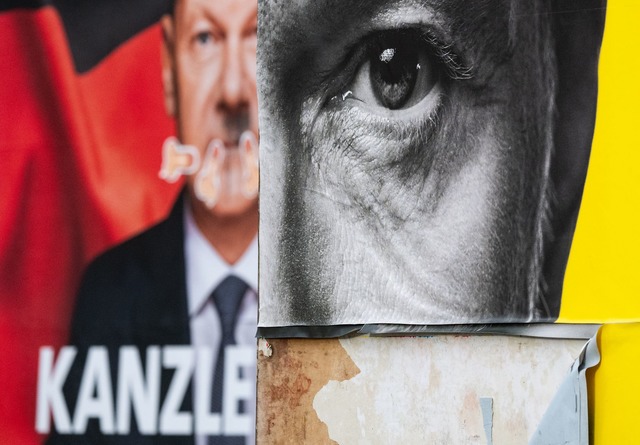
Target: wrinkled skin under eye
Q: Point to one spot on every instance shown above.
(397, 72)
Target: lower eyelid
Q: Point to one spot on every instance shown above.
(376, 140)
(374, 119)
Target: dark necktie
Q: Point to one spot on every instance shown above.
(227, 298)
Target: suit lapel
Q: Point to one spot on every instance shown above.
(161, 315)
(161, 312)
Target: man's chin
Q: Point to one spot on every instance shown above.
(231, 207)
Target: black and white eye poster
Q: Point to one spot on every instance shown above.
(422, 162)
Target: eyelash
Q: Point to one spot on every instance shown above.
(453, 64)
(445, 58)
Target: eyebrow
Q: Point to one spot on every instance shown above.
(334, 28)
(308, 39)
(334, 16)
(324, 31)
(205, 14)
(188, 18)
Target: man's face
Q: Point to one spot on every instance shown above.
(209, 67)
(405, 151)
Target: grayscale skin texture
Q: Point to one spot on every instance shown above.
(430, 214)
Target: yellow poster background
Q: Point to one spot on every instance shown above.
(602, 282)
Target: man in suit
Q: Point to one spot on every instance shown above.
(190, 280)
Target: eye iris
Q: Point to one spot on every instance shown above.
(203, 37)
(393, 73)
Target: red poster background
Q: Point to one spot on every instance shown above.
(80, 155)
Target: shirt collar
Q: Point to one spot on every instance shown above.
(205, 268)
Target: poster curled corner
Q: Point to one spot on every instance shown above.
(566, 420)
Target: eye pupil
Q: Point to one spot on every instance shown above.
(394, 70)
(202, 37)
(393, 75)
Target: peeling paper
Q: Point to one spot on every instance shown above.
(264, 347)
(566, 422)
(427, 390)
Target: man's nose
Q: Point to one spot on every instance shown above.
(233, 77)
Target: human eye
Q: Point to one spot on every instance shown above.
(203, 40)
(397, 71)
(397, 74)
(381, 96)
(203, 37)
(251, 28)
(250, 35)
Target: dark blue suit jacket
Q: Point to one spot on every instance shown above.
(134, 294)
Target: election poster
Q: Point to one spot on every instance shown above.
(456, 182)
(129, 222)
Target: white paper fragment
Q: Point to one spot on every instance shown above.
(427, 389)
(566, 422)
(264, 347)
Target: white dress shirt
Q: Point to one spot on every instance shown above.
(205, 270)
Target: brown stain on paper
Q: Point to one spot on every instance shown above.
(289, 380)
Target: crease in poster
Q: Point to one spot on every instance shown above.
(566, 421)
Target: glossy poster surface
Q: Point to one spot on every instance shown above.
(129, 221)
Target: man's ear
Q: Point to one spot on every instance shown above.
(168, 81)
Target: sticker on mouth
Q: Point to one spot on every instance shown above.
(225, 170)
